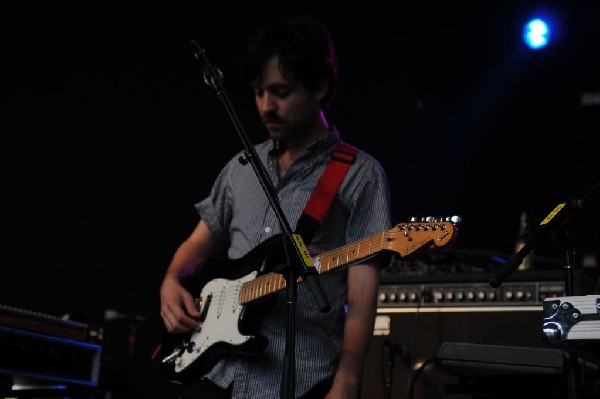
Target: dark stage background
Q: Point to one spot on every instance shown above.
(110, 136)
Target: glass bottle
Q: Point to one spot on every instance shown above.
(522, 238)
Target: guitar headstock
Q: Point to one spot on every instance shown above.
(429, 233)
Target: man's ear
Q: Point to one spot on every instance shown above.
(321, 91)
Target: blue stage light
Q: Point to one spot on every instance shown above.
(536, 33)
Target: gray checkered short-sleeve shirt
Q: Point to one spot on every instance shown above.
(238, 208)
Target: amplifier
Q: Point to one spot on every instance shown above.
(43, 347)
(415, 319)
(521, 289)
(42, 356)
(468, 294)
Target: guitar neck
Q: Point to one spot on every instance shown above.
(403, 239)
(350, 253)
(271, 283)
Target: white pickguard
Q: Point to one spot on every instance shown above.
(221, 322)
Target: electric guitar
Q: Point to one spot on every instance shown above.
(227, 287)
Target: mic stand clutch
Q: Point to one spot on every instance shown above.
(299, 263)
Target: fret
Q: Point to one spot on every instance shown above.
(268, 285)
(254, 290)
(348, 254)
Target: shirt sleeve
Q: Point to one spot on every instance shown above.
(370, 212)
(216, 208)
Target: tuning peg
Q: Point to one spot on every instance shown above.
(429, 219)
(454, 219)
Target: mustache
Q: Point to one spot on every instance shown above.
(271, 118)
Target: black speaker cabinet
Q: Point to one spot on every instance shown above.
(407, 339)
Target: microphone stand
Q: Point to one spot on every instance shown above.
(558, 220)
(299, 263)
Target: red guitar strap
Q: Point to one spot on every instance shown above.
(316, 208)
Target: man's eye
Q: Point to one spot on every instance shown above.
(282, 93)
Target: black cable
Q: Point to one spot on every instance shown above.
(415, 375)
(413, 344)
(387, 365)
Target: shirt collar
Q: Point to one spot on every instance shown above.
(329, 140)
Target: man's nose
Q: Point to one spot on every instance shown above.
(266, 103)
